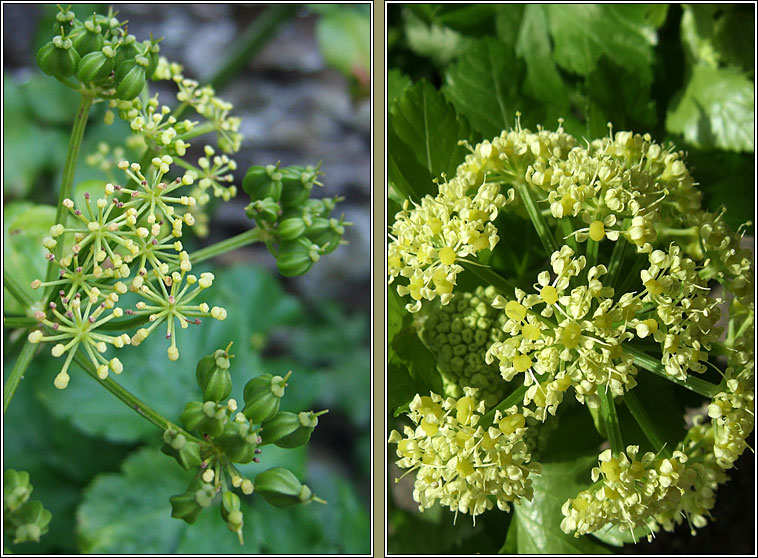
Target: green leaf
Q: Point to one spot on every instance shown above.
(719, 35)
(538, 522)
(543, 80)
(24, 226)
(397, 83)
(420, 362)
(484, 86)
(624, 33)
(612, 535)
(423, 134)
(256, 304)
(437, 42)
(472, 19)
(716, 110)
(401, 388)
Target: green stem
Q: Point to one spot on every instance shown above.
(567, 229)
(19, 322)
(592, 248)
(254, 38)
(617, 258)
(514, 398)
(490, 276)
(197, 131)
(651, 364)
(547, 238)
(643, 420)
(69, 170)
(247, 237)
(611, 420)
(14, 378)
(15, 288)
(130, 399)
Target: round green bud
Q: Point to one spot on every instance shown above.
(290, 229)
(266, 210)
(296, 257)
(263, 182)
(262, 397)
(58, 58)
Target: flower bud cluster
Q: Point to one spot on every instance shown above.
(297, 229)
(224, 441)
(98, 56)
(128, 240)
(24, 520)
(628, 491)
(458, 334)
(428, 240)
(460, 463)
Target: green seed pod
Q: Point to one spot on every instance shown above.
(306, 423)
(128, 49)
(150, 51)
(281, 425)
(90, 38)
(266, 210)
(58, 58)
(213, 376)
(206, 418)
(326, 233)
(176, 445)
(184, 506)
(205, 494)
(280, 488)
(31, 521)
(263, 182)
(16, 489)
(65, 18)
(262, 397)
(238, 442)
(296, 257)
(290, 229)
(95, 66)
(296, 186)
(130, 78)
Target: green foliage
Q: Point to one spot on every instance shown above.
(536, 524)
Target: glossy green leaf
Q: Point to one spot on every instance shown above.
(484, 86)
(624, 33)
(716, 110)
(423, 134)
(538, 522)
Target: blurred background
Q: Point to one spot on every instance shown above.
(302, 93)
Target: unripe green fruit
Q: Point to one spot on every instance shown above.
(93, 67)
(281, 425)
(238, 442)
(31, 522)
(130, 77)
(127, 50)
(267, 210)
(280, 488)
(297, 183)
(307, 422)
(262, 397)
(205, 418)
(325, 233)
(290, 229)
(152, 55)
(186, 453)
(57, 61)
(296, 257)
(16, 489)
(214, 380)
(263, 182)
(89, 39)
(184, 506)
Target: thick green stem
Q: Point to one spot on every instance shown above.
(514, 398)
(651, 364)
(643, 421)
(592, 248)
(247, 237)
(547, 238)
(255, 37)
(131, 400)
(69, 170)
(16, 289)
(611, 420)
(22, 363)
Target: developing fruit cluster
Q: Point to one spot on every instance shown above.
(627, 291)
(23, 519)
(222, 441)
(297, 230)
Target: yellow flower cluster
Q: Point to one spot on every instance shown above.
(460, 463)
